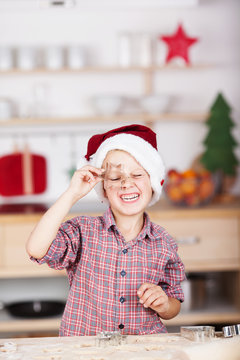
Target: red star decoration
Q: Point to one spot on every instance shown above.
(178, 45)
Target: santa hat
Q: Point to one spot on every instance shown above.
(139, 141)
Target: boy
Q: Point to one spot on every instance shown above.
(124, 271)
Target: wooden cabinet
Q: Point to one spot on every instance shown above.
(207, 243)
(208, 239)
(14, 260)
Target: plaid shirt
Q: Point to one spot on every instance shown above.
(105, 272)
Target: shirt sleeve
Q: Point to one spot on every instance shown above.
(65, 248)
(174, 272)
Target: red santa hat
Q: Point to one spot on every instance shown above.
(140, 142)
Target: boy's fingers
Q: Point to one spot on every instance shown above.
(143, 288)
(88, 177)
(158, 301)
(149, 296)
(93, 169)
(149, 300)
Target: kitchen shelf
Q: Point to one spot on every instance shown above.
(146, 71)
(193, 117)
(10, 324)
(205, 317)
(148, 88)
(14, 273)
(231, 265)
(106, 69)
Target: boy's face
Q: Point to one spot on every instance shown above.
(126, 185)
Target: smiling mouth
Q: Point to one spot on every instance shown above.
(129, 198)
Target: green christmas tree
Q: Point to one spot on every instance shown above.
(219, 142)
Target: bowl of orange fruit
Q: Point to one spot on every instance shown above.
(190, 188)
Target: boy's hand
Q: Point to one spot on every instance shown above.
(153, 296)
(83, 180)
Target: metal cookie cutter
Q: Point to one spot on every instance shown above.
(106, 338)
(231, 330)
(198, 333)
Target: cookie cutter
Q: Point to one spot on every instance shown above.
(198, 333)
(115, 176)
(116, 172)
(112, 338)
(231, 330)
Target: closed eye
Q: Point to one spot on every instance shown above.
(137, 175)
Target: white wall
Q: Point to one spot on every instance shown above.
(215, 22)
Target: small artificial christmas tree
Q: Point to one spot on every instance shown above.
(219, 143)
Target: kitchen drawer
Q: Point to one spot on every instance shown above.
(15, 236)
(1, 246)
(206, 243)
(15, 259)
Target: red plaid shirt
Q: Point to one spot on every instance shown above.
(105, 272)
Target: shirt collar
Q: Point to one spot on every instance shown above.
(108, 218)
(146, 231)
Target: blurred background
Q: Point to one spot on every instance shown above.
(70, 69)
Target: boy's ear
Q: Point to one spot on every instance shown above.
(104, 192)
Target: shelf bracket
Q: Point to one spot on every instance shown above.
(148, 82)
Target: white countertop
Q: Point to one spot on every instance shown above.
(152, 347)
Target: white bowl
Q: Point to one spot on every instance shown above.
(154, 103)
(107, 105)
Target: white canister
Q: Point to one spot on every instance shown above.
(145, 50)
(142, 49)
(160, 51)
(125, 50)
(54, 58)
(40, 101)
(6, 109)
(76, 57)
(6, 58)
(26, 58)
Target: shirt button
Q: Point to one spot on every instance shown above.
(121, 326)
(123, 273)
(122, 299)
(125, 251)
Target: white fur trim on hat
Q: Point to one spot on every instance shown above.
(147, 156)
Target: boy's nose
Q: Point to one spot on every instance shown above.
(126, 181)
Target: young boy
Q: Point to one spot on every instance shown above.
(124, 271)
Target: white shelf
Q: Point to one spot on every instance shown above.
(79, 5)
(106, 69)
(193, 117)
